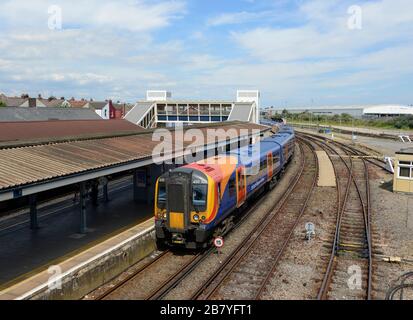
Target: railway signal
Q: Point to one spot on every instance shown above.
(310, 228)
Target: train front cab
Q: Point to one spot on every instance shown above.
(183, 199)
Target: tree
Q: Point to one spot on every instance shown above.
(285, 113)
(2, 104)
(276, 117)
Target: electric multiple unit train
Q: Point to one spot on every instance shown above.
(200, 200)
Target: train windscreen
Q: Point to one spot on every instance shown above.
(199, 196)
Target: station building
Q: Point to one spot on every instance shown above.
(159, 110)
(403, 171)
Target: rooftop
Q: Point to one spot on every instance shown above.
(13, 114)
(27, 167)
(31, 132)
(12, 101)
(406, 151)
(389, 109)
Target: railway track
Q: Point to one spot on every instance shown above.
(160, 289)
(349, 270)
(247, 271)
(150, 281)
(356, 152)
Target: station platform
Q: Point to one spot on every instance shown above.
(40, 281)
(326, 175)
(25, 252)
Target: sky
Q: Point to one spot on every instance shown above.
(297, 53)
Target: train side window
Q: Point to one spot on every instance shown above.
(263, 165)
(275, 158)
(252, 171)
(232, 187)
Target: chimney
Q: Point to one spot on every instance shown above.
(111, 110)
(32, 102)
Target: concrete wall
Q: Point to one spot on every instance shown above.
(98, 272)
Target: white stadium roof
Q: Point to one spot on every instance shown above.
(389, 109)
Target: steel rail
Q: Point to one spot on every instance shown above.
(366, 216)
(359, 152)
(367, 209)
(285, 243)
(242, 249)
(130, 276)
(322, 294)
(169, 284)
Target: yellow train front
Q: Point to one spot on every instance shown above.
(198, 201)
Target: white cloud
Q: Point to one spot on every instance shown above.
(236, 18)
(127, 15)
(104, 44)
(139, 17)
(326, 34)
(110, 49)
(323, 55)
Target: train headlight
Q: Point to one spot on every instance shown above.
(196, 217)
(161, 214)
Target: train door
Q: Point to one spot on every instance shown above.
(241, 186)
(178, 205)
(270, 163)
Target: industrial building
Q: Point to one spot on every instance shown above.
(160, 110)
(388, 111)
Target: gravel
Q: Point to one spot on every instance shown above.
(202, 272)
(301, 269)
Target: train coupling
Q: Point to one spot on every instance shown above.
(177, 238)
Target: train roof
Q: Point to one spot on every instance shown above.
(255, 151)
(286, 129)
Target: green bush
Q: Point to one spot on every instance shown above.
(401, 122)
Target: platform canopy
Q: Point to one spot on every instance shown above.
(35, 168)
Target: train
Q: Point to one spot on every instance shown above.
(199, 201)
